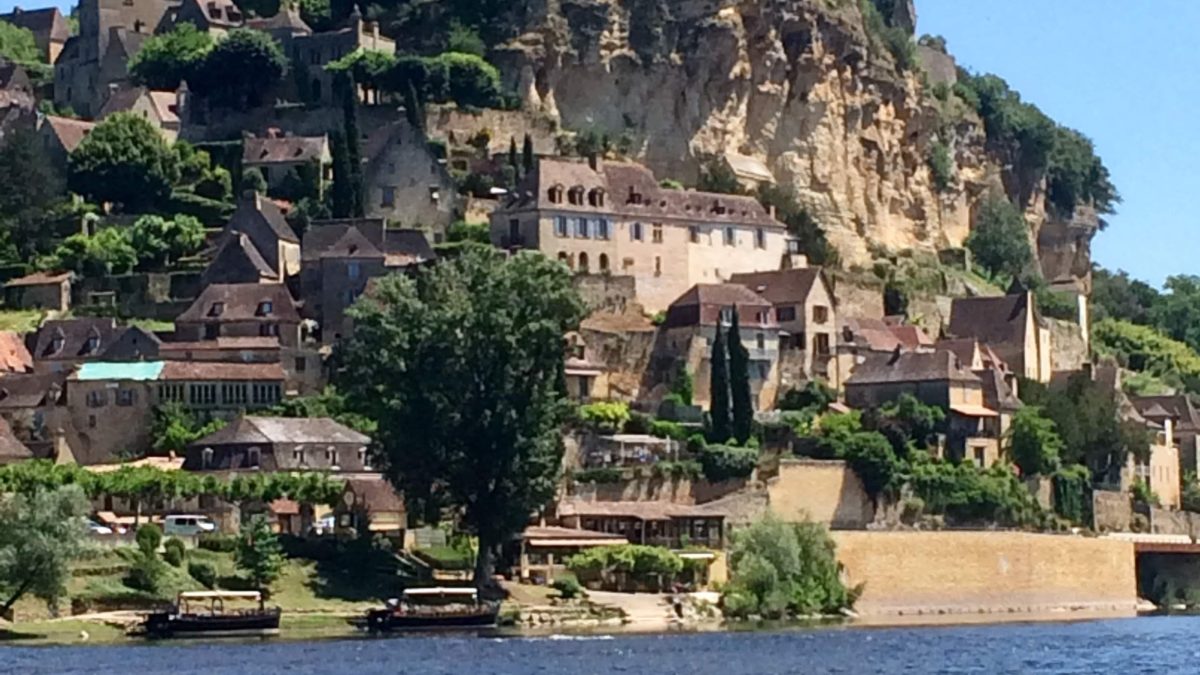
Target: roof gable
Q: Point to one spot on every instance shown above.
(242, 302)
(899, 367)
(238, 261)
(783, 286)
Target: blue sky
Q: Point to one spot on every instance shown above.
(1121, 71)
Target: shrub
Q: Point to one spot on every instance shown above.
(678, 470)
(724, 462)
(666, 429)
(965, 494)
(568, 588)
(149, 537)
(146, 573)
(618, 566)
(941, 166)
(1073, 492)
(999, 240)
(174, 552)
(1142, 494)
(604, 475)
(1144, 349)
(204, 573)
(638, 423)
(605, 416)
(220, 543)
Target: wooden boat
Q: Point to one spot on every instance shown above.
(204, 614)
(434, 609)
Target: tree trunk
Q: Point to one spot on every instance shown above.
(483, 564)
(12, 600)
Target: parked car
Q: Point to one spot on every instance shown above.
(98, 529)
(187, 526)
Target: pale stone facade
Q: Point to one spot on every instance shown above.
(613, 218)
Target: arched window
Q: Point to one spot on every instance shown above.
(555, 194)
(635, 232)
(575, 196)
(596, 197)
(583, 262)
(603, 262)
(564, 258)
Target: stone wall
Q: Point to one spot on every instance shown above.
(825, 491)
(909, 573)
(1110, 511)
(1068, 348)
(607, 292)
(458, 127)
(1163, 521)
(153, 296)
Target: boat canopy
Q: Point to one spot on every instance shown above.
(220, 595)
(440, 591)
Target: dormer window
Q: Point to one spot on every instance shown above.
(575, 195)
(265, 308)
(596, 197)
(56, 343)
(331, 457)
(217, 309)
(726, 315)
(555, 194)
(206, 458)
(718, 208)
(92, 344)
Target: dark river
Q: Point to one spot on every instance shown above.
(1127, 646)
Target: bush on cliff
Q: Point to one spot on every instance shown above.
(780, 569)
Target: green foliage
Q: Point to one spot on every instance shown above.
(259, 554)
(605, 416)
(174, 552)
(41, 533)
(688, 469)
(329, 403)
(461, 366)
(965, 494)
(894, 39)
(1177, 311)
(601, 475)
(240, 69)
(463, 231)
(1076, 175)
(1053, 304)
(721, 426)
(667, 429)
(1145, 350)
(158, 241)
(147, 573)
(800, 224)
(343, 177)
(779, 570)
(318, 15)
(149, 538)
(1141, 493)
(464, 40)
(670, 184)
(941, 166)
(465, 79)
(217, 542)
(17, 44)
(628, 566)
(742, 402)
(174, 428)
(999, 240)
(1089, 422)
(369, 68)
(126, 161)
(1034, 444)
(1190, 500)
(727, 462)
(568, 588)
(717, 176)
(105, 253)
(32, 200)
(252, 179)
(906, 422)
(167, 59)
(344, 85)
(204, 573)
(1073, 494)
(683, 386)
(1116, 296)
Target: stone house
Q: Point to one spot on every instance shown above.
(17, 98)
(281, 444)
(405, 182)
(371, 504)
(586, 377)
(49, 27)
(1160, 470)
(33, 406)
(1185, 424)
(12, 450)
(612, 218)
(314, 51)
(63, 344)
(215, 17)
(285, 26)
(163, 109)
(805, 310)
(256, 245)
(691, 326)
(40, 290)
(60, 136)
(650, 523)
(111, 32)
(340, 257)
(1011, 326)
(283, 158)
(936, 379)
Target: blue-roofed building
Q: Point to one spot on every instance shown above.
(137, 371)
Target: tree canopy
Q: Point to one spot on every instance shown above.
(258, 553)
(1033, 442)
(167, 59)
(241, 69)
(999, 239)
(33, 193)
(17, 44)
(126, 161)
(41, 532)
(461, 367)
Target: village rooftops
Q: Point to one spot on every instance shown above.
(318, 431)
(11, 449)
(124, 100)
(188, 371)
(899, 367)
(29, 390)
(630, 190)
(780, 286)
(637, 510)
(1177, 406)
(220, 303)
(287, 18)
(73, 338)
(48, 22)
(708, 305)
(39, 279)
(365, 238)
(284, 150)
(552, 536)
(14, 355)
(993, 320)
(877, 335)
(69, 132)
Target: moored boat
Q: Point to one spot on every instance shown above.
(206, 614)
(433, 609)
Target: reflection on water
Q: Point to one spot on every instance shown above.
(1156, 644)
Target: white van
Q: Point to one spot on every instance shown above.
(187, 526)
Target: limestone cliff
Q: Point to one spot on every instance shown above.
(796, 84)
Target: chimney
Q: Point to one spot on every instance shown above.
(771, 211)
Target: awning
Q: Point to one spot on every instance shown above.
(574, 543)
(973, 410)
(696, 555)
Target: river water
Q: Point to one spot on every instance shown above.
(1126, 646)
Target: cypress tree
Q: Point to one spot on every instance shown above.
(413, 110)
(739, 383)
(343, 181)
(718, 409)
(512, 156)
(527, 154)
(353, 152)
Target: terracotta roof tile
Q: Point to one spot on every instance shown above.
(218, 371)
(39, 279)
(285, 150)
(911, 367)
(640, 510)
(70, 132)
(220, 303)
(781, 286)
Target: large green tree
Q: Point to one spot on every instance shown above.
(348, 92)
(461, 367)
(104, 253)
(741, 400)
(126, 161)
(259, 554)
(999, 239)
(718, 387)
(17, 44)
(167, 59)
(40, 534)
(342, 191)
(1177, 312)
(33, 193)
(1033, 442)
(241, 69)
(159, 241)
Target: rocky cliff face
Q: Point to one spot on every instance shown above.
(797, 84)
